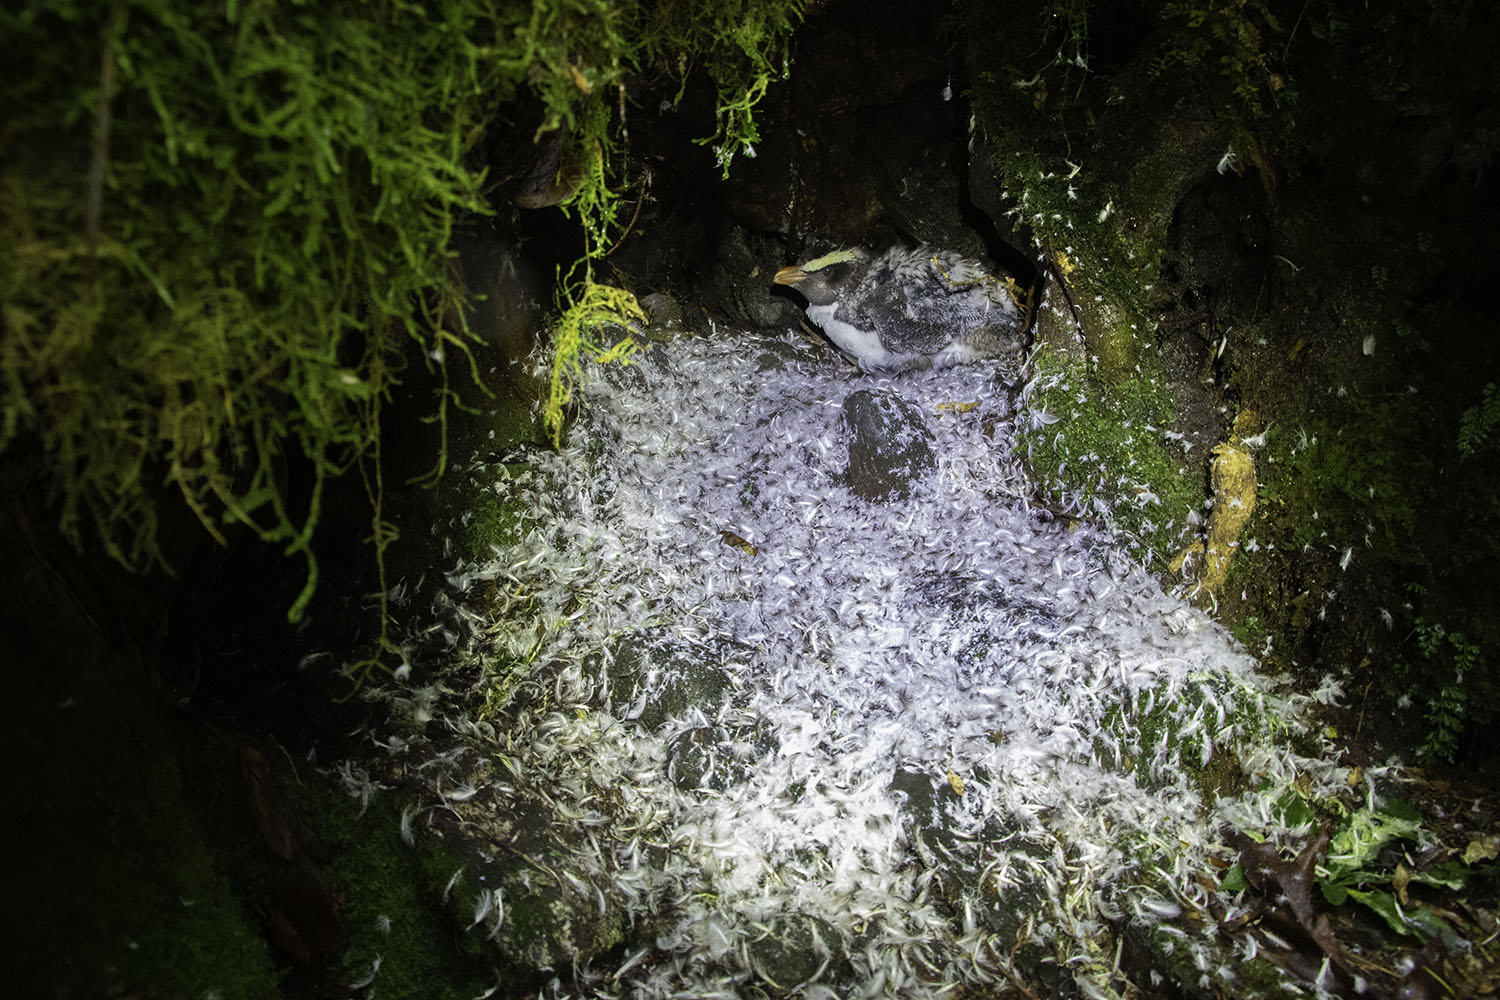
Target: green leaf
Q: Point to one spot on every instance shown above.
(1448, 875)
(1415, 921)
(1294, 810)
(1337, 893)
(1400, 810)
(1356, 843)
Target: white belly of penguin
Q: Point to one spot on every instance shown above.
(863, 345)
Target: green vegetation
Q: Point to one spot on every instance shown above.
(1108, 269)
(1227, 40)
(1196, 727)
(1360, 865)
(742, 44)
(1477, 422)
(1438, 680)
(265, 232)
(392, 896)
(115, 885)
(1353, 870)
(1109, 452)
(225, 239)
(1123, 146)
(1087, 171)
(1350, 496)
(1347, 483)
(589, 309)
(385, 896)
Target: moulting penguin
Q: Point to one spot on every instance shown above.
(909, 308)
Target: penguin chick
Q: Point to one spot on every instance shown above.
(908, 309)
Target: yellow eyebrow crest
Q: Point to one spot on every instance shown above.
(836, 257)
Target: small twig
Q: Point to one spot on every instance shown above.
(102, 122)
(645, 187)
(1009, 968)
(1293, 33)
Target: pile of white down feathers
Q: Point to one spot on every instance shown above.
(1008, 659)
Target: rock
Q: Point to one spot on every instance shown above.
(551, 924)
(656, 674)
(554, 171)
(715, 757)
(890, 446)
(699, 759)
(1233, 478)
(509, 893)
(740, 289)
(775, 354)
(1081, 306)
(793, 949)
(528, 913)
(662, 311)
(919, 801)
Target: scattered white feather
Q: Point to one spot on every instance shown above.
(369, 977)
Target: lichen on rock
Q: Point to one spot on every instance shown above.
(1233, 478)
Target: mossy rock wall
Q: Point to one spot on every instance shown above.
(1224, 216)
(114, 884)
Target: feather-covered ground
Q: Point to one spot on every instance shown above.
(958, 741)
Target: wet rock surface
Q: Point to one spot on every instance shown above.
(794, 949)
(512, 894)
(890, 446)
(656, 675)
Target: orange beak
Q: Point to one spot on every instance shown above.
(789, 275)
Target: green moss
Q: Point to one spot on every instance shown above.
(742, 44)
(589, 311)
(494, 525)
(389, 895)
(1090, 168)
(1109, 451)
(1343, 498)
(268, 232)
(392, 895)
(1248, 630)
(114, 888)
(220, 250)
(1106, 269)
(1346, 482)
(1256, 977)
(462, 518)
(1181, 723)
